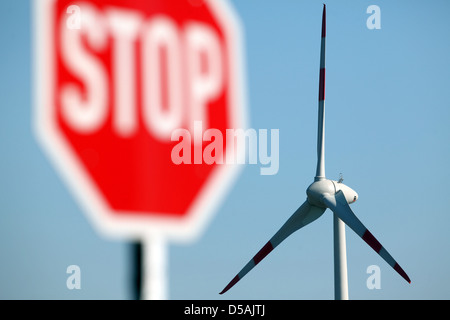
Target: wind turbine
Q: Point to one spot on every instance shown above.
(322, 194)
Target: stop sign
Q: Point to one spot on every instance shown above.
(114, 79)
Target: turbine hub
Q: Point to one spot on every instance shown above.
(318, 189)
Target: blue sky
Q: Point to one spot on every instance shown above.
(387, 131)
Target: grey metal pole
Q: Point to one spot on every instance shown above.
(340, 260)
(136, 252)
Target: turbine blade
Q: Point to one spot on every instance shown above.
(320, 170)
(338, 204)
(304, 215)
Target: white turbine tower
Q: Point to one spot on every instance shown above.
(322, 194)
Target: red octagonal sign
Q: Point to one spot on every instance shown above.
(114, 79)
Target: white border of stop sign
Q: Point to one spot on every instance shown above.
(72, 171)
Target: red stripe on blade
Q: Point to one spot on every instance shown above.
(232, 283)
(371, 241)
(401, 272)
(262, 253)
(322, 84)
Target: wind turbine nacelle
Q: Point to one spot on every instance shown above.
(317, 189)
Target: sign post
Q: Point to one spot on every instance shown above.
(113, 80)
(154, 286)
